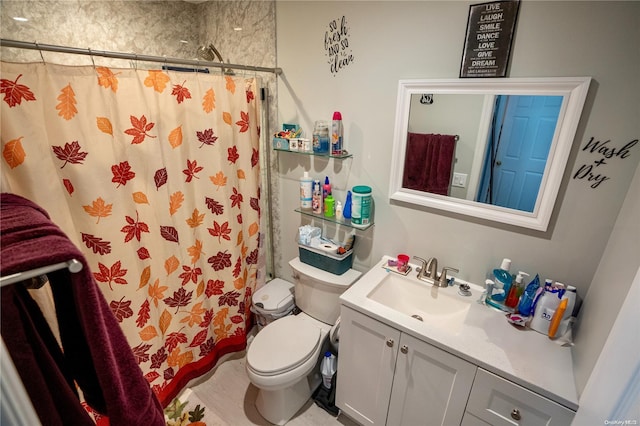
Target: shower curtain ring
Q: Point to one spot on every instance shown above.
(40, 50)
(91, 56)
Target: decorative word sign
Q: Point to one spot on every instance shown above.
(605, 152)
(487, 47)
(336, 45)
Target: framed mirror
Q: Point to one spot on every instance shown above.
(494, 149)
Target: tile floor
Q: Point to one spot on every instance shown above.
(229, 394)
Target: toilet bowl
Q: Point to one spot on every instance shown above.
(283, 359)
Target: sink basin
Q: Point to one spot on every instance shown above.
(441, 307)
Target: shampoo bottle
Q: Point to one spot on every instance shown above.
(329, 206)
(306, 190)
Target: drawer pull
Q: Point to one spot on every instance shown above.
(390, 343)
(404, 349)
(515, 414)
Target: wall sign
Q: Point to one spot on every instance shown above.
(604, 152)
(336, 45)
(487, 47)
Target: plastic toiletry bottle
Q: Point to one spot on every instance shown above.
(306, 191)
(361, 206)
(339, 210)
(326, 188)
(545, 309)
(557, 318)
(526, 300)
(329, 207)
(346, 209)
(336, 134)
(502, 281)
(570, 295)
(328, 369)
(320, 139)
(316, 198)
(515, 291)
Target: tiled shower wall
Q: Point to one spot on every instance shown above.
(159, 28)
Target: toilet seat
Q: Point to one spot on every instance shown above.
(282, 346)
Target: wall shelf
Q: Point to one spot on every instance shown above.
(345, 222)
(315, 154)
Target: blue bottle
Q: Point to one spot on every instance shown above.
(346, 209)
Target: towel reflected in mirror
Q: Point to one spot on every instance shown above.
(428, 162)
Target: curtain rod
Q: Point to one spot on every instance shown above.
(131, 56)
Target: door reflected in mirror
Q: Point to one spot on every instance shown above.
(490, 148)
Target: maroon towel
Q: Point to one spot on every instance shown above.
(96, 353)
(429, 162)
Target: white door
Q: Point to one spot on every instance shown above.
(430, 387)
(366, 361)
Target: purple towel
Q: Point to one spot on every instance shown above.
(96, 353)
(429, 162)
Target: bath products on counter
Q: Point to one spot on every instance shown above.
(545, 308)
(361, 206)
(525, 304)
(306, 191)
(515, 291)
(336, 134)
(557, 317)
(502, 281)
(316, 198)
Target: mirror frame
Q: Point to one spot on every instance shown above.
(574, 91)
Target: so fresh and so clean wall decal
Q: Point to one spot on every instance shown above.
(604, 152)
(336, 45)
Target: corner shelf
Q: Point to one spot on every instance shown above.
(345, 222)
(315, 154)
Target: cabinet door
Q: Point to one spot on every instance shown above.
(366, 360)
(430, 386)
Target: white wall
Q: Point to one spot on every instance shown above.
(394, 40)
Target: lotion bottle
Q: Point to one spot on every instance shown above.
(306, 190)
(316, 201)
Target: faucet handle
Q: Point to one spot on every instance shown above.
(421, 269)
(442, 281)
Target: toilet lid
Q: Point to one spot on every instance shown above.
(283, 345)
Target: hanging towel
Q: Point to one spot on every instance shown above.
(429, 162)
(95, 353)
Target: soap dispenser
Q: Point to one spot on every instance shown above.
(516, 291)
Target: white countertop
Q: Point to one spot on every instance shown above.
(486, 339)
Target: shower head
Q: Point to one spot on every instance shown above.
(209, 53)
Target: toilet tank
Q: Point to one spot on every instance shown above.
(317, 292)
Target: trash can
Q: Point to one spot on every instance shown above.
(272, 301)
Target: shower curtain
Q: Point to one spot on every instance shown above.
(154, 176)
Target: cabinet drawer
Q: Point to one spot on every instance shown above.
(500, 402)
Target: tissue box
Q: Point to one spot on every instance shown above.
(337, 264)
(281, 143)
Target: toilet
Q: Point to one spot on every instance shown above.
(283, 359)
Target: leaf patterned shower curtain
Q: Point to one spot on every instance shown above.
(154, 175)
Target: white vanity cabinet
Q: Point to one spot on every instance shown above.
(389, 377)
